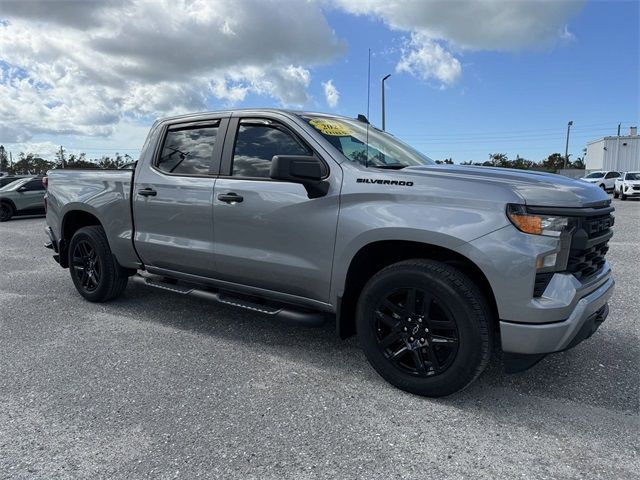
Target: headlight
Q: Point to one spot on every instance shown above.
(536, 224)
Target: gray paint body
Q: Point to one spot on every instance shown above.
(280, 243)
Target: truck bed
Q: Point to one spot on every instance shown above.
(105, 194)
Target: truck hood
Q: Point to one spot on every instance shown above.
(535, 188)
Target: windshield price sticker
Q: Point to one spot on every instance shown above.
(330, 127)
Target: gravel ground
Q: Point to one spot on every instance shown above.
(156, 385)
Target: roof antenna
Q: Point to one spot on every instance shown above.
(366, 160)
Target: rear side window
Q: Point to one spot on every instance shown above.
(188, 151)
(256, 145)
(34, 185)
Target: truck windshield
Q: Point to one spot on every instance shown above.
(366, 146)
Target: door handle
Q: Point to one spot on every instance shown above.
(147, 192)
(230, 197)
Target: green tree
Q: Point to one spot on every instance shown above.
(4, 160)
(61, 158)
(498, 160)
(29, 164)
(554, 162)
(80, 161)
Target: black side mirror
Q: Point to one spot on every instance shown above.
(306, 170)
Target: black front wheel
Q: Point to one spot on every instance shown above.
(94, 270)
(6, 212)
(424, 327)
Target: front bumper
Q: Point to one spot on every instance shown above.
(535, 339)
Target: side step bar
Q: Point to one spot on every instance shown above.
(287, 314)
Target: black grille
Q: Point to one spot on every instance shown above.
(586, 263)
(588, 249)
(586, 257)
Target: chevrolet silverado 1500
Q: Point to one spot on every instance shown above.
(306, 216)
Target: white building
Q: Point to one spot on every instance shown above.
(621, 154)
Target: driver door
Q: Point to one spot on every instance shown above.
(268, 233)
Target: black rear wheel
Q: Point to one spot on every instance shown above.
(424, 326)
(6, 212)
(94, 270)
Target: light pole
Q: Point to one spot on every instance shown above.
(382, 84)
(566, 148)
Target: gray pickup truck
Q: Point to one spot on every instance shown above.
(307, 217)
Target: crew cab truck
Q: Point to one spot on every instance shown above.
(307, 217)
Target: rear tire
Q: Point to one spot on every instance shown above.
(432, 342)
(6, 212)
(94, 270)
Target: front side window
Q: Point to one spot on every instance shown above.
(612, 175)
(188, 151)
(257, 143)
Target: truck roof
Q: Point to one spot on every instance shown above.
(252, 110)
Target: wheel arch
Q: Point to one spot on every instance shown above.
(9, 202)
(374, 256)
(72, 221)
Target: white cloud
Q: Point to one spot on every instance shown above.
(428, 60)
(70, 67)
(438, 26)
(473, 24)
(331, 93)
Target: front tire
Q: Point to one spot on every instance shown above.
(615, 193)
(623, 196)
(424, 327)
(6, 212)
(94, 270)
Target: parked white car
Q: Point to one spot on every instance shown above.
(604, 179)
(628, 185)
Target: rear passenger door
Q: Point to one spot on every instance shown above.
(173, 198)
(273, 236)
(31, 196)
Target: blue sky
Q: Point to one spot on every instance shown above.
(510, 102)
(476, 85)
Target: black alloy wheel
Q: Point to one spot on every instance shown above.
(416, 332)
(94, 269)
(424, 326)
(86, 266)
(6, 212)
